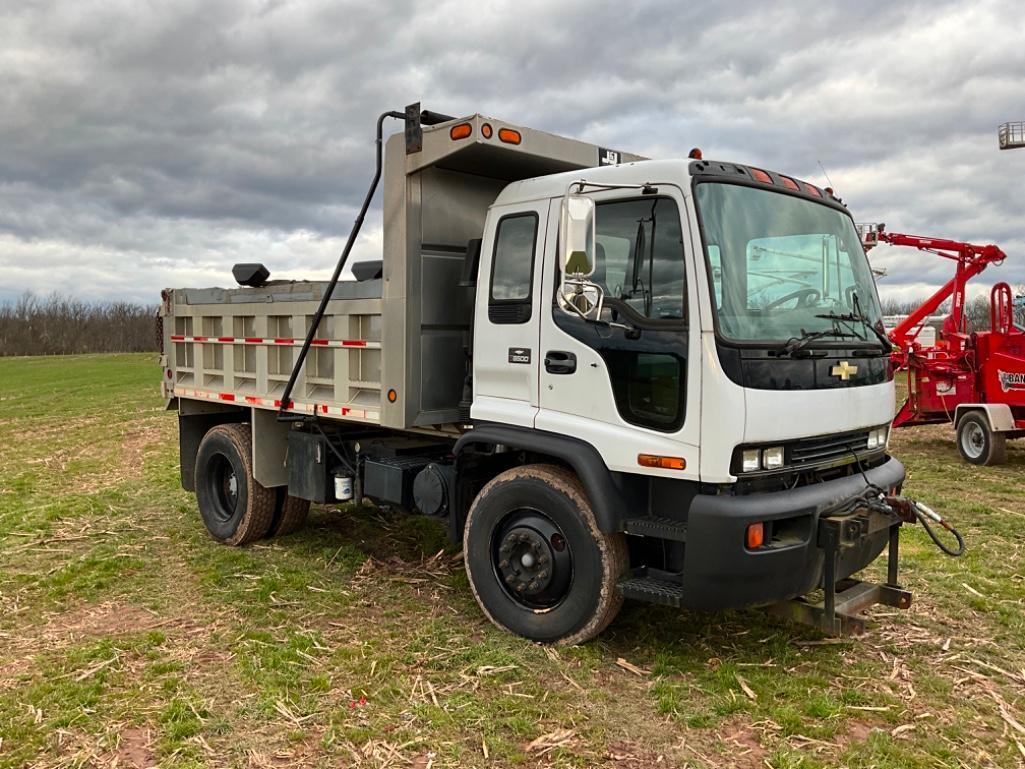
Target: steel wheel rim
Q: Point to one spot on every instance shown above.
(532, 560)
(973, 440)
(224, 485)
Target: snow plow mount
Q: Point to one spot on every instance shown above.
(838, 611)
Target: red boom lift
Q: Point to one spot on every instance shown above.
(975, 380)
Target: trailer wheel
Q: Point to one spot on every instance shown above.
(978, 443)
(537, 563)
(235, 507)
(289, 514)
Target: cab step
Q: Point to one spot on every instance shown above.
(657, 526)
(653, 590)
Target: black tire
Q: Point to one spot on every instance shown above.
(977, 442)
(541, 512)
(235, 508)
(289, 514)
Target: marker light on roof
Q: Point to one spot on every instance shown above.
(811, 189)
(789, 183)
(760, 176)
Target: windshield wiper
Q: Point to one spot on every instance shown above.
(795, 343)
(856, 316)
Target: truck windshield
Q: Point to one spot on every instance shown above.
(780, 263)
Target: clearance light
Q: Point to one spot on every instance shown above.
(755, 536)
(392, 396)
(811, 189)
(761, 176)
(460, 131)
(661, 463)
(509, 136)
(486, 130)
(789, 183)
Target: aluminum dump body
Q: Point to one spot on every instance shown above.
(237, 346)
(407, 334)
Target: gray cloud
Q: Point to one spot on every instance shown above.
(146, 145)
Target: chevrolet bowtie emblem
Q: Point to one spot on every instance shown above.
(844, 370)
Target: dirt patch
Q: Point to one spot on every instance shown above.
(107, 619)
(134, 749)
(629, 755)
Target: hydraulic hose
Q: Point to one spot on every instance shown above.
(924, 514)
(283, 415)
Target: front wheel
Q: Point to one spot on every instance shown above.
(978, 443)
(538, 564)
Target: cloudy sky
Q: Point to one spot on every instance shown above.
(152, 144)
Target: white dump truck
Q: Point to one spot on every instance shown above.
(607, 376)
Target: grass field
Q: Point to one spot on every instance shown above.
(129, 638)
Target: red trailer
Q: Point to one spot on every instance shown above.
(975, 380)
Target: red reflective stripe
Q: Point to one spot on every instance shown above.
(254, 340)
(354, 343)
(177, 338)
(227, 396)
(323, 409)
(284, 341)
(225, 339)
(321, 342)
(345, 410)
(252, 399)
(199, 339)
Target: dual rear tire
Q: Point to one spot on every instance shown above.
(235, 507)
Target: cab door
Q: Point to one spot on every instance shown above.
(507, 315)
(633, 390)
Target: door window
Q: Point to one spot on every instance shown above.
(639, 257)
(512, 269)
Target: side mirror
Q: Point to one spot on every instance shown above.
(576, 236)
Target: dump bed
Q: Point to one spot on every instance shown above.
(238, 346)
(392, 351)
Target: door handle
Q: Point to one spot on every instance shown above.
(558, 362)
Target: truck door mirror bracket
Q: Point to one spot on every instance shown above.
(577, 294)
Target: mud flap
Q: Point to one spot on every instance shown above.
(837, 612)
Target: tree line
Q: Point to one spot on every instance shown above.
(61, 325)
(976, 311)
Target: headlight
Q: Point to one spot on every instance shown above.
(752, 460)
(772, 458)
(877, 437)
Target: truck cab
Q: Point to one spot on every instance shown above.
(610, 377)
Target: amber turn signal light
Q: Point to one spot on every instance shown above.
(662, 463)
(755, 535)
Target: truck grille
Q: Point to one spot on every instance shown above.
(827, 448)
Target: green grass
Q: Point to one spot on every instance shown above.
(127, 635)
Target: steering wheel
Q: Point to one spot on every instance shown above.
(805, 298)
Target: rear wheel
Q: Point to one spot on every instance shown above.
(537, 562)
(235, 507)
(978, 443)
(289, 514)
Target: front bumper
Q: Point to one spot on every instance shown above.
(719, 572)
